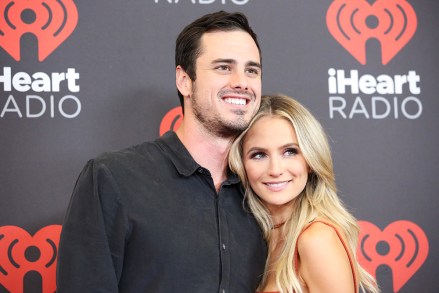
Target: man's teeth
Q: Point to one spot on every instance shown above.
(279, 184)
(235, 101)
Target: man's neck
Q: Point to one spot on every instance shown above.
(208, 150)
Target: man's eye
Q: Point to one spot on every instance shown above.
(223, 67)
(253, 71)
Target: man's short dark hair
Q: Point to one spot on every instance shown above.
(187, 48)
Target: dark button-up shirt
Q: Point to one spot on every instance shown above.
(149, 219)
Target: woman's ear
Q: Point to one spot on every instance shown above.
(183, 82)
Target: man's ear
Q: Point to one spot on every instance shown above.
(183, 82)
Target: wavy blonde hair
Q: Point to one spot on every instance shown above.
(318, 199)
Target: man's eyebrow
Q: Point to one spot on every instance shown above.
(254, 64)
(233, 61)
(228, 61)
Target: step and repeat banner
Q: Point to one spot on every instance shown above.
(78, 78)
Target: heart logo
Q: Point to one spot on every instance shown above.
(353, 22)
(171, 120)
(21, 253)
(50, 21)
(402, 245)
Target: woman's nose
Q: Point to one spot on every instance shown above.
(276, 166)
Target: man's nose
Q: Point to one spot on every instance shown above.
(238, 80)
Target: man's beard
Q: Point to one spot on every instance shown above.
(218, 126)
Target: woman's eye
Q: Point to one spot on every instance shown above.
(257, 156)
(291, 152)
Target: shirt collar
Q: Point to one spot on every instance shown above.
(178, 154)
(182, 159)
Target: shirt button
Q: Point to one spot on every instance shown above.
(224, 247)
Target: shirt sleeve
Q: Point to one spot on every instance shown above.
(91, 247)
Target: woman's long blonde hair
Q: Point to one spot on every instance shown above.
(318, 199)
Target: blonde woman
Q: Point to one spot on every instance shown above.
(284, 162)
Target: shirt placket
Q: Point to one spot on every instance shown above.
(223, 241)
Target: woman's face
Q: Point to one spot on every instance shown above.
(275, 167)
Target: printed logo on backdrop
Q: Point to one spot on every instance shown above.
(23, 255)
(237, 2)
(171, 120)
(402, 246)
(393, 23)
(51, 22)
(353, 22)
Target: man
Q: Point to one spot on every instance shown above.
(167, 216)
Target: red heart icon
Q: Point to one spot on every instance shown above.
(172, 120)
(402, 245)
(15, 247)
(50, 21)
(353, 22)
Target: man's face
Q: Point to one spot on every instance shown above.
(227, 89)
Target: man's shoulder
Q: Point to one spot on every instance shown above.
(158, 156)
(146, 153)
(127, 153)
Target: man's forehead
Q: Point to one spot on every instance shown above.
(229, 44)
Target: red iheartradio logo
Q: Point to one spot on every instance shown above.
(353, 22)
(402, 245)
(51, 21)
(21, 253)
(172, 120)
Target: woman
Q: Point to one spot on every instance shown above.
(285, 165)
